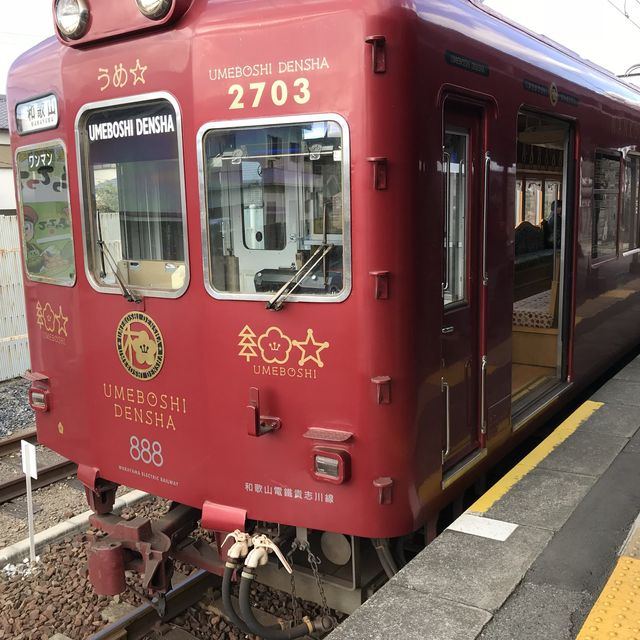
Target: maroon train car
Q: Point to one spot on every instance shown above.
(307, 268)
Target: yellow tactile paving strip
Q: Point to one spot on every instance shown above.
(530, 462)
(616, 613)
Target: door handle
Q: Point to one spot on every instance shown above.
(483, 396)
(447, 211)
(485, 214)
(444, 387)
(447, 330)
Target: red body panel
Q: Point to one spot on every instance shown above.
(197, 404)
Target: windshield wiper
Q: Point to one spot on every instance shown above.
(129, 296)
(277, 300)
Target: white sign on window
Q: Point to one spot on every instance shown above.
(38, 114)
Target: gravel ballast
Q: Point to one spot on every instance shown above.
(15, 412)
(57, 597)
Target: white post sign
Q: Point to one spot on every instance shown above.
(30, 470)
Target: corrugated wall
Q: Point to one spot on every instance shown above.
(14, 349)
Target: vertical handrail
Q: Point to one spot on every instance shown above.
(483, 397)
(444, 387)
(446, 156)
(487, 168)
(462, 172)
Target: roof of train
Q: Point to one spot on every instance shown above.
(518, 41)
(469, 17)
(548, 41)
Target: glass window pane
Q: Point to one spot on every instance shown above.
(44, 213)
(135, 210)
(533, 201)
(518, 218)
(275, 202)
(606, 191)
(629, 222)
(455, 149)
(552, 193)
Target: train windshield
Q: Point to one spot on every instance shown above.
(44, 213)
(134, 197)
(277, 209)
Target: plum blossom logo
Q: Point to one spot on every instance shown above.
(140, 346)
(49, 318)
(146, 350)
(52, 322)
(274, 346)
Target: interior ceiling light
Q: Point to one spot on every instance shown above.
(154, 9)
(72, 18)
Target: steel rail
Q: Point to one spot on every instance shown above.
(16, 487)
(140, 622)
(12, 443)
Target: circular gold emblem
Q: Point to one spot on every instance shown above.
(140, 346)
(553, 94)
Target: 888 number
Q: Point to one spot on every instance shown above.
(145, 451)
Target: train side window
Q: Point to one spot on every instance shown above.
(606, 198)
(276, 205)
(44, 213)
(134, 196)
(630, 223)
(456, 144)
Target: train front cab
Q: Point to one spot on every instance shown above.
(451, 209)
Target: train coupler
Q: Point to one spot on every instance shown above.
(148, 547)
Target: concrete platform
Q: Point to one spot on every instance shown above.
(551, 552)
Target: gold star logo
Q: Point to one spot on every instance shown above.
(62, 322)
(138, 73)
(310, 349)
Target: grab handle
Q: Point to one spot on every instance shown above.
(485, 214)
(447, 218)
(483, 397)
(444, 386)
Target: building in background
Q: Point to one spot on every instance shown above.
(7, 192)
(14, 349)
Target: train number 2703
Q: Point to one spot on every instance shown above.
(145, 451)
(279, 91)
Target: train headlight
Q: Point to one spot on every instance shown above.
(72, 18)
(154, 9)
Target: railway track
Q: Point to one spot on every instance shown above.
(16, 487)
(145, 619)
(11, 489)
(145, 622)
(12, 442)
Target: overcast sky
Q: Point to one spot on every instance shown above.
(24, 23)
(592, 28)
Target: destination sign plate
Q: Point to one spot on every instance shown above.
(37, 115)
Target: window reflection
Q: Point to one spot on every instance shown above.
(274, 197)
(44, 212)
(455, 153)
(134, 204)
(606, 192)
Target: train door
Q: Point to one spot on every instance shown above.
(542, 219)
(462, 229)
